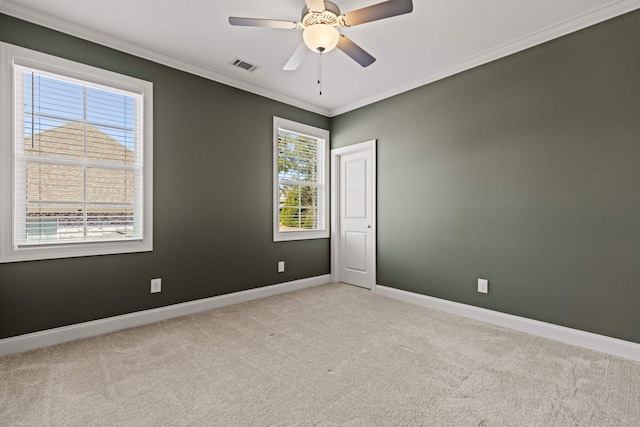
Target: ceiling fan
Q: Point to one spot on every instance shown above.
(320, 22)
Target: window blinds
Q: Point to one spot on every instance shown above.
(78, 161)
(300, 182)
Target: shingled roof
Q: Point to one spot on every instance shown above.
(62, 186)
(68, 141)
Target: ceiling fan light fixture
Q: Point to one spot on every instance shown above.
(321, 37)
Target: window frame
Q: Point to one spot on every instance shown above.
(322, 135)
(10, 56)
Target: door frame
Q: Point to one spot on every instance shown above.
(336, 153)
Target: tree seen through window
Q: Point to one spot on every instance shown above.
(298, 181)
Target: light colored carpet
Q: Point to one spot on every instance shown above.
(329, 355)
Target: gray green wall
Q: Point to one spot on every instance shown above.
(526, 172)
(523, 171)
(212, 203)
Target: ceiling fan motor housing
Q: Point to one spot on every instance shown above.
(330, 16)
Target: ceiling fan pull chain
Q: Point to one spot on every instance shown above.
(320, 71)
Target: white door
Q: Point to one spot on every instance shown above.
(354, 174)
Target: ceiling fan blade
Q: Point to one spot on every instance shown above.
(382, 10)
(315, 5)
(354, 51)
(297, 58)
(267, 23)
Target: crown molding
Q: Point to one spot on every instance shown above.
(36, 17)
(580, 22)
(569, 26)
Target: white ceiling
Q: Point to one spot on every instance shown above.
(439, 38)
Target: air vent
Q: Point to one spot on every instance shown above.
(241, 63)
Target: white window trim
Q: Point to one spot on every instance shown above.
(323, 134)
(10, 55)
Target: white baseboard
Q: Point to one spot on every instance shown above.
(98, 327)
(604, 344)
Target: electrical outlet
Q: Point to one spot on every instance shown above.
(156, 286)
(483, 286)
(280, 266)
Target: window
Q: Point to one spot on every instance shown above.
(76, 162)
(300, 185)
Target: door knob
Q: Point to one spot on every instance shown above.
(369, 226)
